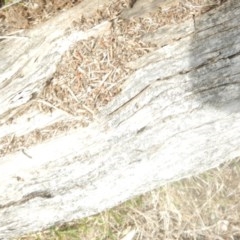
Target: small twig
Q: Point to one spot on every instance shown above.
(25, 153)
(89, 110)
(72, 94)
(52, 106)
(105, 77)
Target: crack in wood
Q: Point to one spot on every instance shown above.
(217, 87)
(234, 55)
(28, 197)
(130, 100)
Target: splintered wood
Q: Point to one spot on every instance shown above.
(172, 89)
(89, 74)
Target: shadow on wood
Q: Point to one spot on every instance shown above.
(177, 115)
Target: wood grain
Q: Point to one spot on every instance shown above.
(177, 115)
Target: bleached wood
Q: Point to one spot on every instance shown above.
(25, 70)
(28, 122)
(178, 115)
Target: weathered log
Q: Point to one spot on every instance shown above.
(177, 115)
(29, 59)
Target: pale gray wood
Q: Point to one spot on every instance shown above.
(30, 59)
(178, 115)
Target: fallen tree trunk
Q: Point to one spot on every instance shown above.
(177, 115)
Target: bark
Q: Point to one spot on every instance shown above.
(177, 115)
